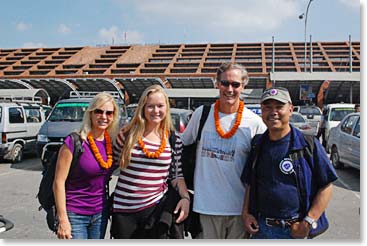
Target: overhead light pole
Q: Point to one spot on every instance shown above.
(304, 15)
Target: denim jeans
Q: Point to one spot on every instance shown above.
(88, 226)
(271, 232)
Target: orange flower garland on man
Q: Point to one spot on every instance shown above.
(221, 155)
(81, 199)
(144, 153)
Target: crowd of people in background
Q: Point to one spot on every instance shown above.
(255, 176)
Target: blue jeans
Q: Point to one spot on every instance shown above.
(271, 232)
(88, 226)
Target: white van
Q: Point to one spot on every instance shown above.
(20, 122)
(334, 114)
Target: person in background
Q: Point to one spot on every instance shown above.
(81, 199)
(357, 108)
(221, 152)
(148, 171)
(287, 191)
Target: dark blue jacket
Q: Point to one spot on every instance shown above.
(313, 170)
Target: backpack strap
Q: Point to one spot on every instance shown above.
(78, 150)
(204, 116)
(307, 153)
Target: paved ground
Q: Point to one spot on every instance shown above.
(19, 185)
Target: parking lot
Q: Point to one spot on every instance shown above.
(19, 185)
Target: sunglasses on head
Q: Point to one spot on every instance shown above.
(101, 112)
(226, 83)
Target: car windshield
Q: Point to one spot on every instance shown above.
(296, 118)
(68, 112)
(337, 114)
(310, 110)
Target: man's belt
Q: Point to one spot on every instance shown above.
(280, 222)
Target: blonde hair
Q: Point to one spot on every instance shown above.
(135, 129)
(99, 100)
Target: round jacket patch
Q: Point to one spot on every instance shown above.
(286, 166)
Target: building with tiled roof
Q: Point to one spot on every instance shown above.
(131, 68)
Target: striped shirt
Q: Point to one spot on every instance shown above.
(144, 181)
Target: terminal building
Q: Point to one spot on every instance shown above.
(323, 73)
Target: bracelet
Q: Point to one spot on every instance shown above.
(187, 198)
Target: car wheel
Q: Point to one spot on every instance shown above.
(334, 157)
(17, 153)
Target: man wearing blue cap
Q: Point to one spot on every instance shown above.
(288, 177)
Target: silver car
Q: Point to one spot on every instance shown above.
(344, 142)
(312, 114)
(301, 124)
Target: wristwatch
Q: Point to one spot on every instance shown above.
(311, 221)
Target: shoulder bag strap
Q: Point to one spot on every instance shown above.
(204, 116)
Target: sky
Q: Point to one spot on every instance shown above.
(65, 23)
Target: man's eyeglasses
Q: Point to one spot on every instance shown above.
(101, 112)
(226, 83)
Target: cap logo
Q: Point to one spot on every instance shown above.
(273, 92)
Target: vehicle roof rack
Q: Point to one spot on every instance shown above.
(20, 99)
(90, 94)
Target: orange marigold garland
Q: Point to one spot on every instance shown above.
(154, 155)
(236, 124)
(98, 155)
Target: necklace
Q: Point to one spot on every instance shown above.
(154, 155)
(98, 155)
(236, 124)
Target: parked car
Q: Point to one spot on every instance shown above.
(299, 122)
(344, 142)
(20, 121)
(131, 110)
(334, 113)
(66, 117)
(180, 118)
(312, 114)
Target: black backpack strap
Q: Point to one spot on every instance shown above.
(204, 116)
(310, 140)
(78, 150)
(306, 153)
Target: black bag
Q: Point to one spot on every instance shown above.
(188, 157)
(45, 193)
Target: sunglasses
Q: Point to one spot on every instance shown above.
(101, 112)
(226, 83)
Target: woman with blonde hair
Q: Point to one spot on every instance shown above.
(81, 199)
(149, 164)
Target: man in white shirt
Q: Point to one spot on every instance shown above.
(221, 155)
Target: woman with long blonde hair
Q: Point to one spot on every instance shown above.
(81, 199)
(148, 165)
